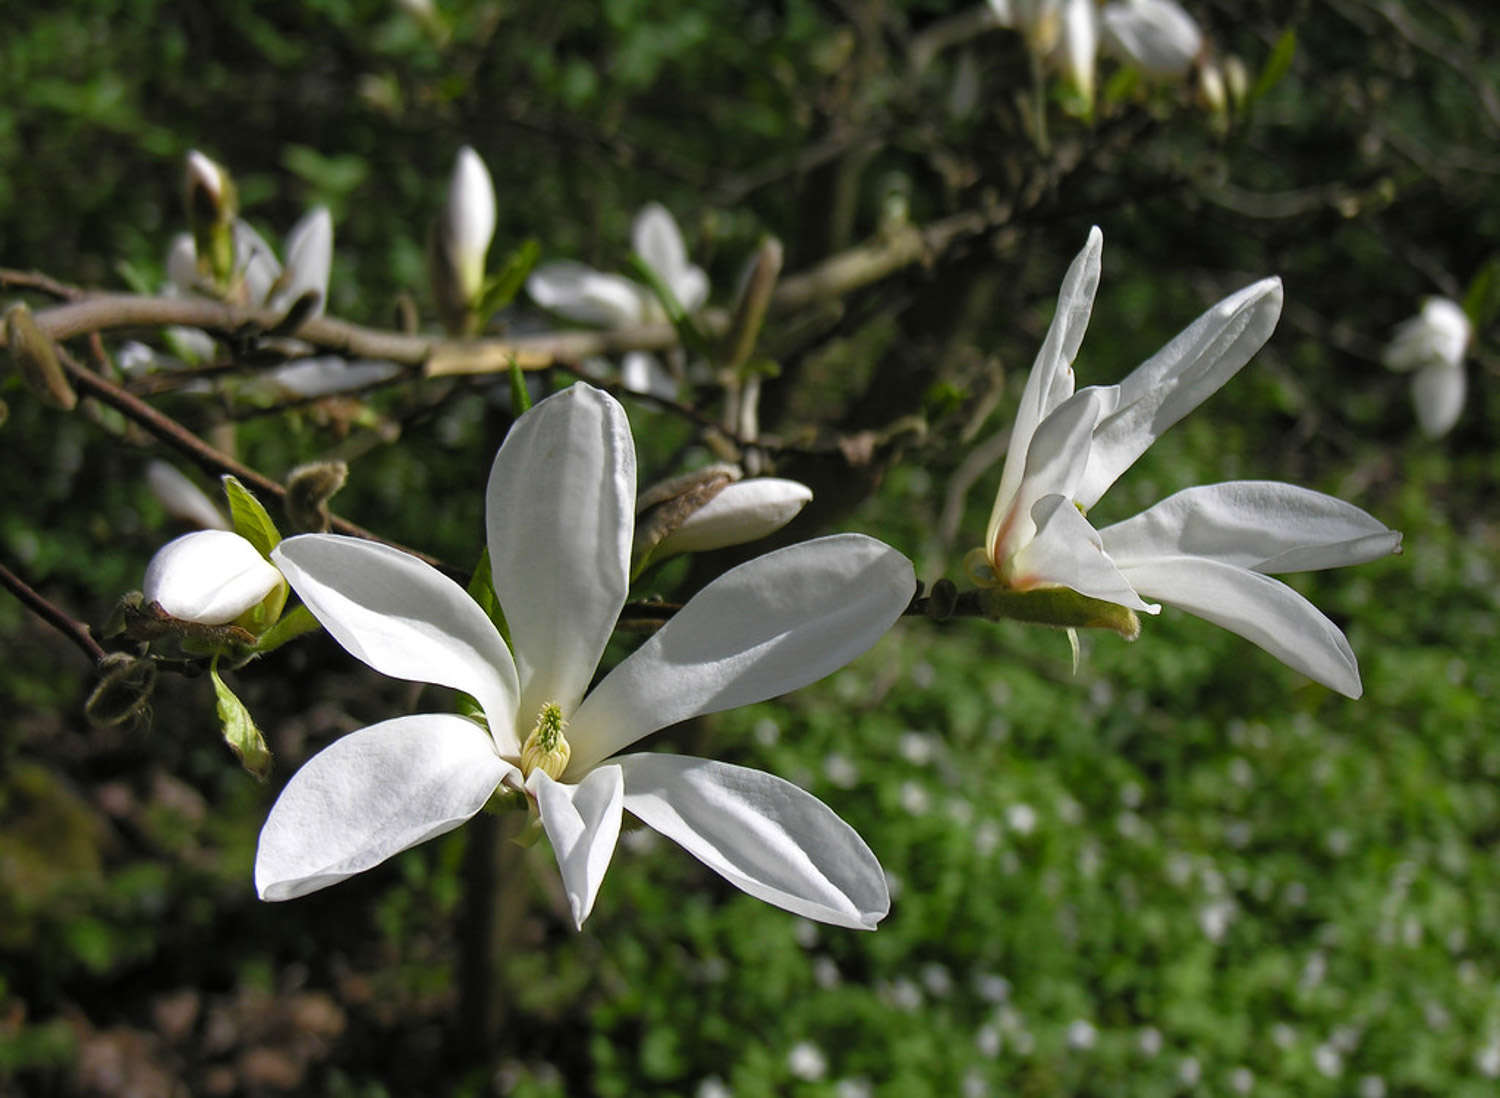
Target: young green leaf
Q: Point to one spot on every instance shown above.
(1276, 65)
(240, 733)
(251, 520)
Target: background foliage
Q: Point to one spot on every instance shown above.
(1184, 869)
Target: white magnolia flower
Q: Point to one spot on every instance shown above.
(468, 222)
(1156, 36)
(181, 498)
(1206, 550)
(746, 510)
(582, 294)
(263, 280)
(559, 517)
(211, 577)
(1432, 345)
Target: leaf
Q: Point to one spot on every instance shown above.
(251, 520)
(501, 288)
(482, 590)
(692, 339)
(520, 399)
(1276, 65)
(240, 733)
(1482, 298)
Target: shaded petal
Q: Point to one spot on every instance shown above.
(1067, 552)
(1262, 610)
(583, 823)
(642, 372)
(1058, 457)
(182, 264)
(371, 794)
(181, 498)
(1175, 380)
(656, 239)
(761, 834)
(1157, 36)
(741, 512)
(255, 262)
(309, 257)
(1262, 525)
(209, 576)
(587, 296)
(560, 514)
(405, 619)
(1051, 379)
(762, 629)
(1437, 393)
(690, 287)
(327, 374)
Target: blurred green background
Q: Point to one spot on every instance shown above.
(1183, 869)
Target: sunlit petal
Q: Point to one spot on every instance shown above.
(371, 794)
(209, 576)
(582, 822)
(580, 293)
(309, 258)
(1066, 552)
(1437, 393)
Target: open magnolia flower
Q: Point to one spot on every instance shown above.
(559, 518)
(580, 293)
(1156, 36)
(1205, 550)
(1432, 345)
(259, 278)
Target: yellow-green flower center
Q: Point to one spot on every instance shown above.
(546, 749)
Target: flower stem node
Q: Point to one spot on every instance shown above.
(1061, 607)
(546, 749)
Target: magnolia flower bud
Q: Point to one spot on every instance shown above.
(211, 207)
(210, 577)
(1156, 36)
(1079, 46)
(308, 490)
(469, 220)
(123, 693)
(36, 359)
(743, 511)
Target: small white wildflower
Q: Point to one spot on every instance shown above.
(840, 770)
(917, 748)
(1021, 818)
(805, 933)
(766, 732)
(1241, 1080)
(991, 988)
(713, 1087)
(826, 973)
(1189, 1071)
(1149, 1042)
(937, 980)
(1371, 1086)
(988, 1041)
(1081, 1034)
(923, 675)
(914, 798)
(856, 1087)
(806, 1062)
(986, 838)
(1327, 1060)
(975, 1085)
(1487, 1060)
(1283, 1036)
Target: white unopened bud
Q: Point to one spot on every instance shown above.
(469, 220)
(204, 181)
(1080, 46)
(743, 511)
(211, 577)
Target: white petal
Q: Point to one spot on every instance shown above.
(583, 294)
(255, 262)
(582, 823)
(656, 239)
(642, 372)
(1438, 336)
(206, 173)
(690, 287)
(329, 374)
(309, 257)
(1175, 380)
(1437, 393)
(1157, 36)
(1262, 525)
(768, 627)
(371, 794)
(182, 499)
(1080, 45)
(405, 619)
(743, 511)
(560, 514)
(1051, 379)
(1262, 610)
(469, 218)
(763, 835)
(1057, 458)
(209, 576)
(1067, 552)
(182, 264)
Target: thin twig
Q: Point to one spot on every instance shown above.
(75, 631)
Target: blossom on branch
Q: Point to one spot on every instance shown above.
(210, 577)
(1156, 36)
(1206, 550)
(1432, 345)
(559, 521)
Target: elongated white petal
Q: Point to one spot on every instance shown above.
(1175, 380)
(560, 512)
(771, 625)
(1437, 336)
(587, 296)
(1262, 525)
(583, 823)
(1262, 610)
(405, 619)
(469, 219)
(763, 835)
(642, 372)
(182, 264)
(743, 511)
(255, 263)
(690, 287)
(329, 374)
(371, 794)
(1437, 393)
(182, 499)
(1080, 45)
(1157, 36)
(1067, 552)
(656, 239)
(1057, 458)
(209, 576)
(309, 258)
(1051, 379)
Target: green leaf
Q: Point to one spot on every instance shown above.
(692, 339)
(251, 520)
(293, 624)
(1482, 298)
(520, 399)
(1276, 65)
(500, 289)
(240, 733)
(482, 591)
